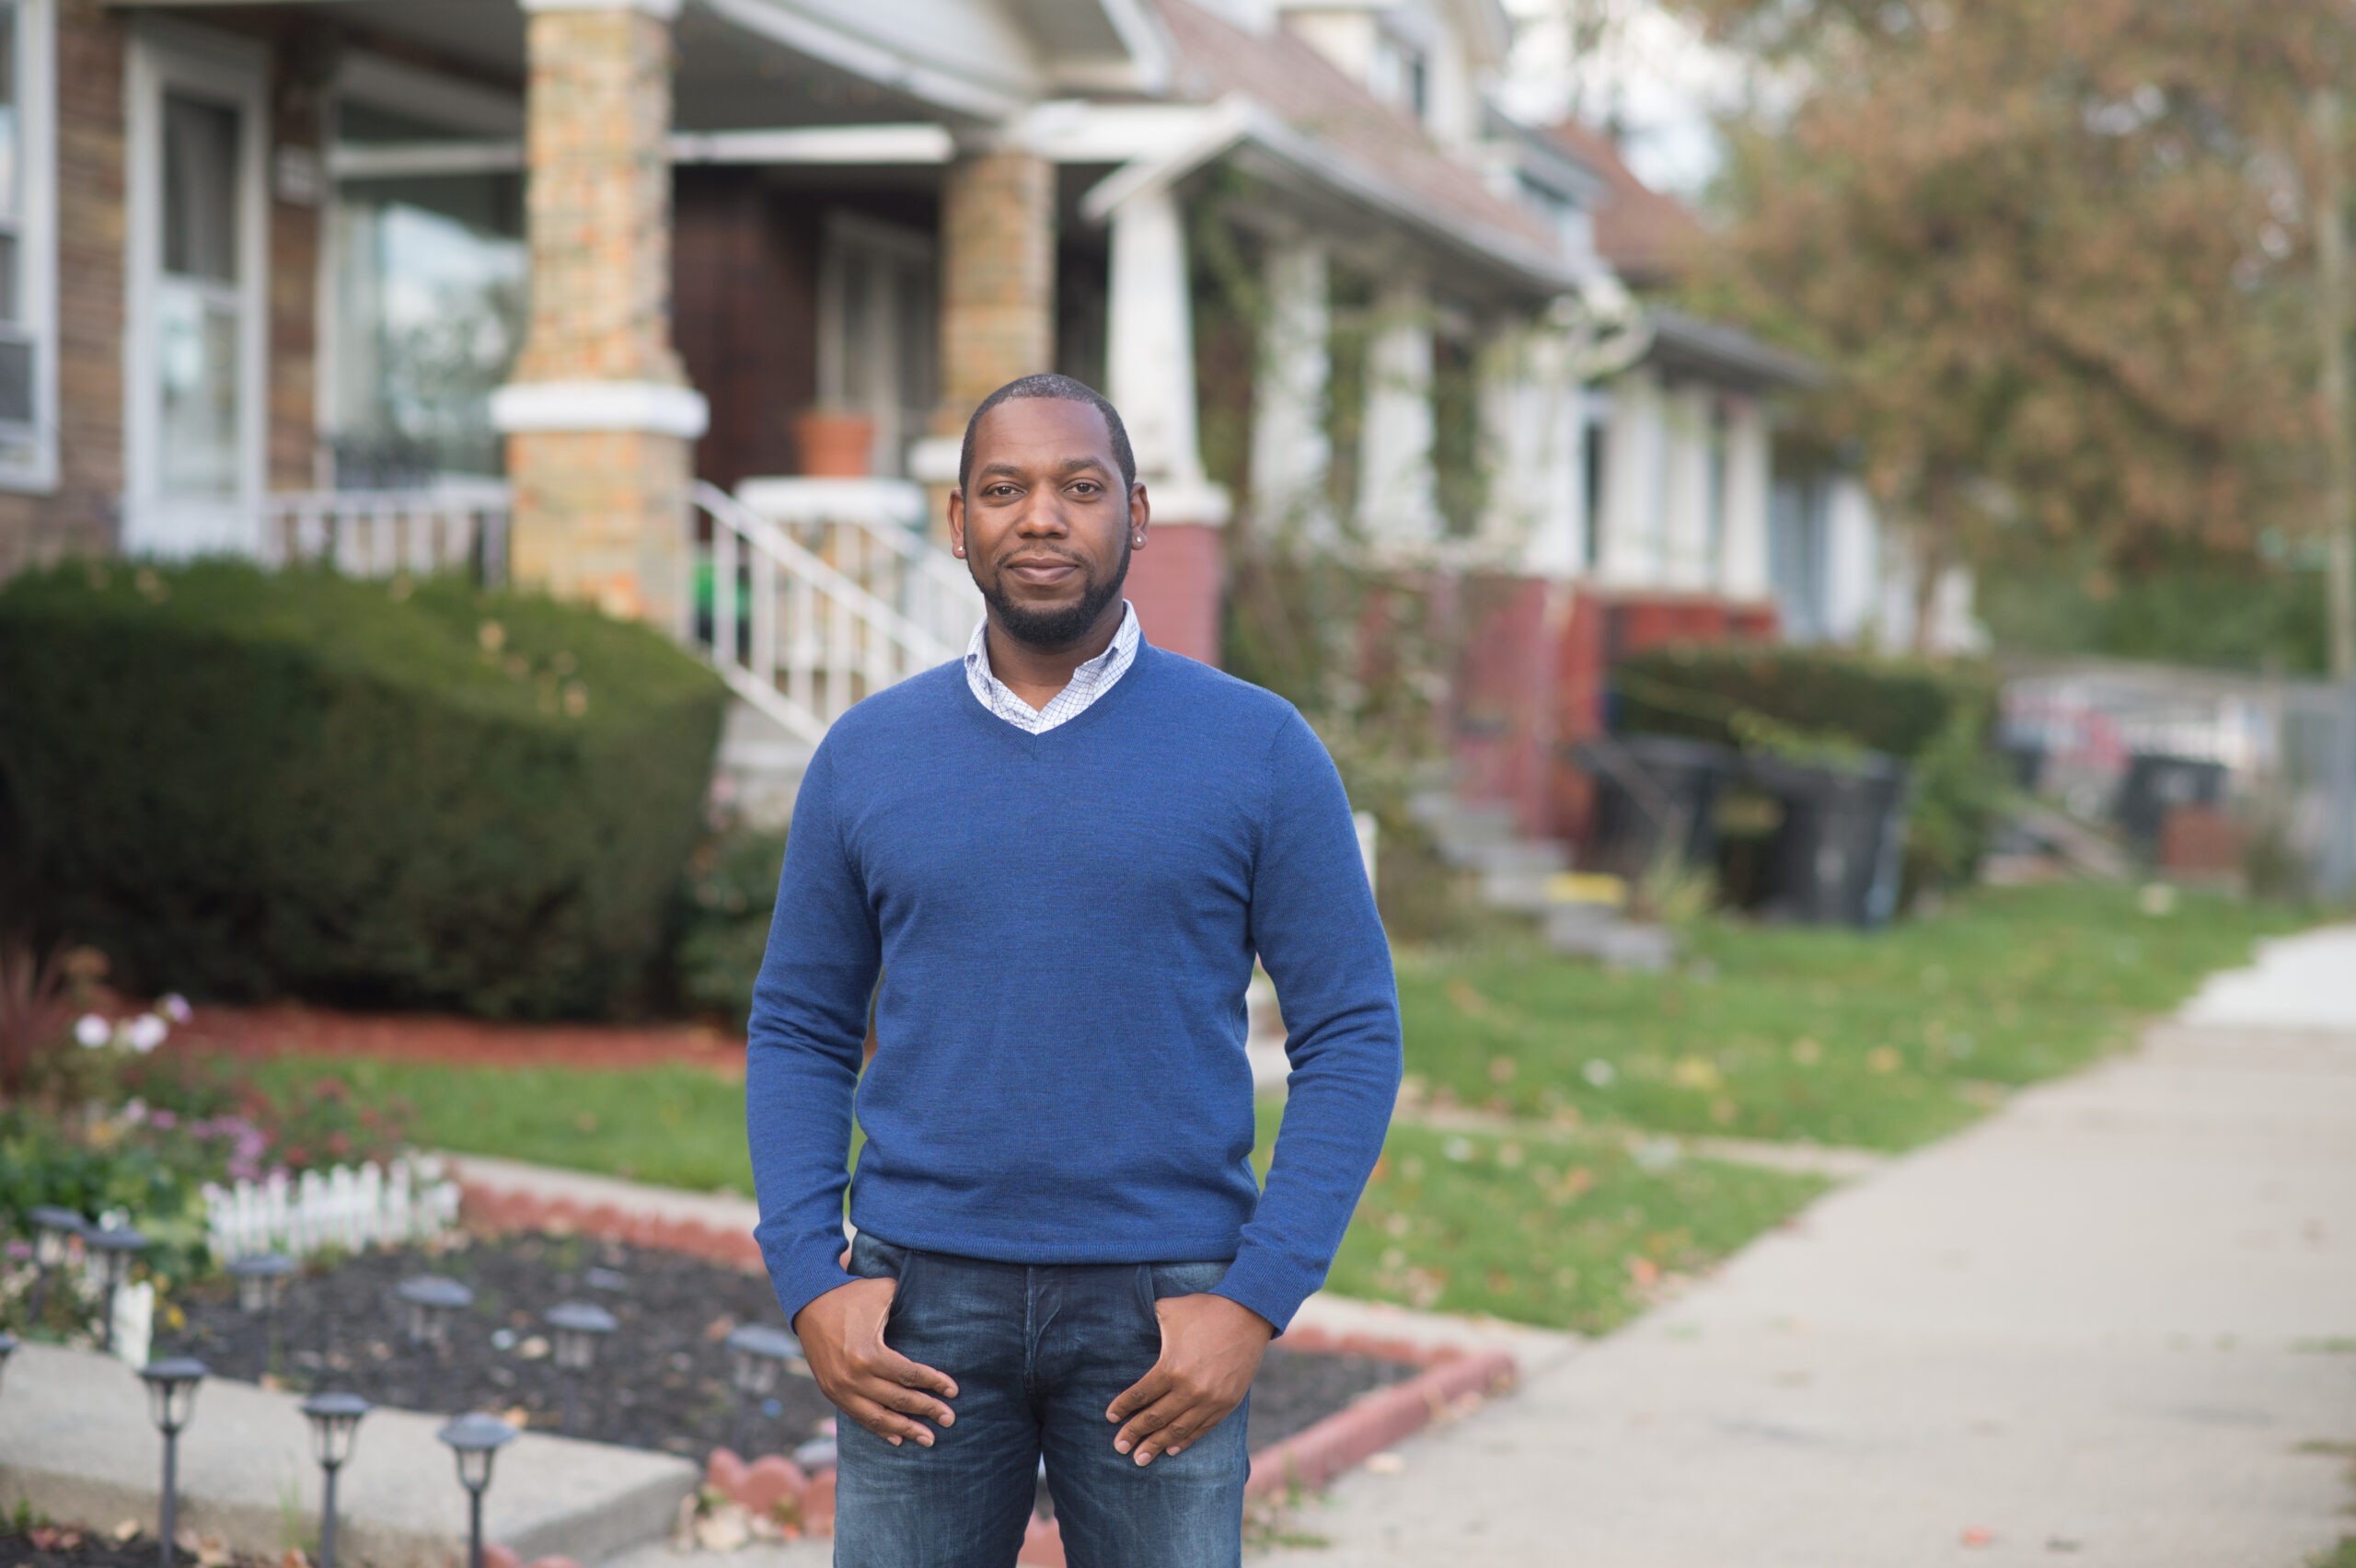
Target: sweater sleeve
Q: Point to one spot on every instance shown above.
(1314, 920)
(804, 1047)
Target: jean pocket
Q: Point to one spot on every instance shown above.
(1185, 1279)
(872, 1258)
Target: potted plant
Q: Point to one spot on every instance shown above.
(833, 443)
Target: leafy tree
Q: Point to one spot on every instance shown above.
(2059, 251)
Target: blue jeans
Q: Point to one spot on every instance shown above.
(1038, 1353)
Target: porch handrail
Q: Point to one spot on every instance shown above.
(851, 522)
(810, 640)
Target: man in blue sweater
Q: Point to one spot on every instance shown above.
(1061, 856)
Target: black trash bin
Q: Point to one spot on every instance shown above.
(1838, 856)
(1646, 787)
(2157, 783)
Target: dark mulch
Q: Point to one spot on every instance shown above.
(61, 1545)
(662, 1380)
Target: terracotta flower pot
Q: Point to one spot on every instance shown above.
(834, 445)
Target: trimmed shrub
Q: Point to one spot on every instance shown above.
(1804, 702)
(244, 784)
(727, 900)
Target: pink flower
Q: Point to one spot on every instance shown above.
(175, 1006)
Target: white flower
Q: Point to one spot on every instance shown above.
(92, 1031)
(175, 1006)
(147, 1032)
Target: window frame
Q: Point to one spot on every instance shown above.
(28, 450)
(897, 426)
(165, 57)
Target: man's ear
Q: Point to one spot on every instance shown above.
(1140, 514)
(957, 520)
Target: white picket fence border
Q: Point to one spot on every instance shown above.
(374, 1206)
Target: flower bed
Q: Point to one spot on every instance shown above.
(663, 1379)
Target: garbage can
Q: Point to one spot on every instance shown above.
(1837, 856)
(2157, 783)
(1648, 786)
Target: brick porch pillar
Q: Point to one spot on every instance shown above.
(600, 420)
(997, 299)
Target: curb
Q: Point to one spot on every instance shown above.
(501, 1195)
(1312, 1458)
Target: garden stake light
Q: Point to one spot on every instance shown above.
(579, 1326)
(476, 1439)
(756, 1358)
(55, 1229)
(335, 1421)
(171, 1400)
(429, 1300)
(262, 1283)
(114, 1249)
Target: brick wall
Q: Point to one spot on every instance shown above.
(1176, 583)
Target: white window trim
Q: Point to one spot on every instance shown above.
(37, 247)
(164, 55)
(909, 246)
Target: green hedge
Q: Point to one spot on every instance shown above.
(1939, 717)
(244, 784)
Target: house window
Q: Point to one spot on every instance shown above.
(427, 278)
(194, 407)
(28, 248)
(1593, 447)
(1798, 556)
(877, 338)
(1400, 75)
(1713, 498)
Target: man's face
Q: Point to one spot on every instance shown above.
(1044, 525)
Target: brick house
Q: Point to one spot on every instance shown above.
(540, 285)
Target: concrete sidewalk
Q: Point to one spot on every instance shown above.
(2116, 1323)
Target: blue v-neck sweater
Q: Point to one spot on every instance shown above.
(1064, 925)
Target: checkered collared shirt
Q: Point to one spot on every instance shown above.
(1089, 682)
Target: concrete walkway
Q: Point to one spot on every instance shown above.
(2115, 1323)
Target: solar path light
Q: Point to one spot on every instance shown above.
(114, 1249)
(429, 1301)
(476, 1439)
(261, 1285)
(7, 1347)
(55, 1229)
(579, 1326)
(171, 1400)
(756, 1356)
(335, 1421)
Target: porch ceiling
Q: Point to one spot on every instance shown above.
(728, 77)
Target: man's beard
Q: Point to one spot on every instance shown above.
(1052, 629)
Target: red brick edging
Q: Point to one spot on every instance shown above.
(488, 1207)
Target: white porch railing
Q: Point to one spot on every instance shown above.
(868, 530)
(457, 527)
(801, 628)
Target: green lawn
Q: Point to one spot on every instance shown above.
(1567, 1230)
(1883, 1040)
(672, 1127)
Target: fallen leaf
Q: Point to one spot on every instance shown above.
(1976, 1536)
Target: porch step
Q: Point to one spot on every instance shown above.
(1577, 915)
(77, 1445)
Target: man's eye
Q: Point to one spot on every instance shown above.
(1086, 487)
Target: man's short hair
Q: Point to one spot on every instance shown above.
(1063, 389)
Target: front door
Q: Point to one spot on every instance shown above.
(195, 351)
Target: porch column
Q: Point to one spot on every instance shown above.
(1742, 566)
(600, 421)
(997, 278)
(1530, 445)
(1290, 451)
(1686, 505)
(1628, 532)
(1397, 505)
(1176, 583)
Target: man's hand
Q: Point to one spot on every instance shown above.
(1210, 1348)
(842, 1338)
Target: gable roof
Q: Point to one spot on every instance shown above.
(1645, 235)
(1287, 78)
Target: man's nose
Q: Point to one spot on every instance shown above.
(1044, 518)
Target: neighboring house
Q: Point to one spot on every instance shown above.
(538, 285)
